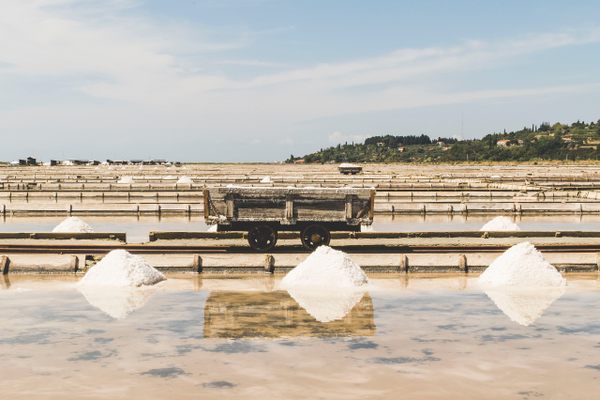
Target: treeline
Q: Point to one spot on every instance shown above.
(577, 141)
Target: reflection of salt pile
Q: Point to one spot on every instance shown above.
(125, 179)
(121, 268)
(522, 283)
(326, 306)
(500, 224)
(327, 284)
(521, 266)
(72, 225)
(266, 179)
(524, 306)
(325, 268)
(185, 180)
(118, 302)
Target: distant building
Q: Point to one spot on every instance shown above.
(503, 143)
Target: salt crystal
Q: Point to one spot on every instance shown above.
(122, 269)
(72, 225)
(266, 179)
(521, 266)
(126, 179)
(325, 268)
(500, 224)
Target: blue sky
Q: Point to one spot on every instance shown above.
(258, 80)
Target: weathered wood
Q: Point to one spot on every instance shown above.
(269, 263)
(462, 263)
(197, 263)
(4, 264)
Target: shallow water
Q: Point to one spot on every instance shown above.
(418, 338)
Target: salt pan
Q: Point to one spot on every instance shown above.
(325, 268)
(185, 180)
(72, 225)
(521, 266)
(122, 269)
(266, 179)
(500, 224)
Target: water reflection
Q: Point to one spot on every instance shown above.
(118, 303)
(326, 307)
(229, 314)
(524, 306)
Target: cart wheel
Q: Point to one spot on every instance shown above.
(262, 237)
(314, 236)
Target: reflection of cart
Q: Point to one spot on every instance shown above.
(314, 212)
(230, 314)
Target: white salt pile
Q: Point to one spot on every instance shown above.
(119, 302)
(125, 179)
(185, 180)
(122, 269)
(266, 179)
(72, 225)
(521, 266)
(500, 224)
(367, 228)
(212, 228)
(325, 268)
(524, 306)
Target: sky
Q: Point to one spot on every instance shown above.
(259, 80)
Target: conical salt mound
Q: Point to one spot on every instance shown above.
(521, 266)
(185, 180)
(125, 179)
(72, 225)
(524, 306)
(121, 268)
(325, 268)
(500, 224)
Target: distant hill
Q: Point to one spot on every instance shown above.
(578, 141)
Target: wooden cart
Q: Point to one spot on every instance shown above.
(262, 212)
